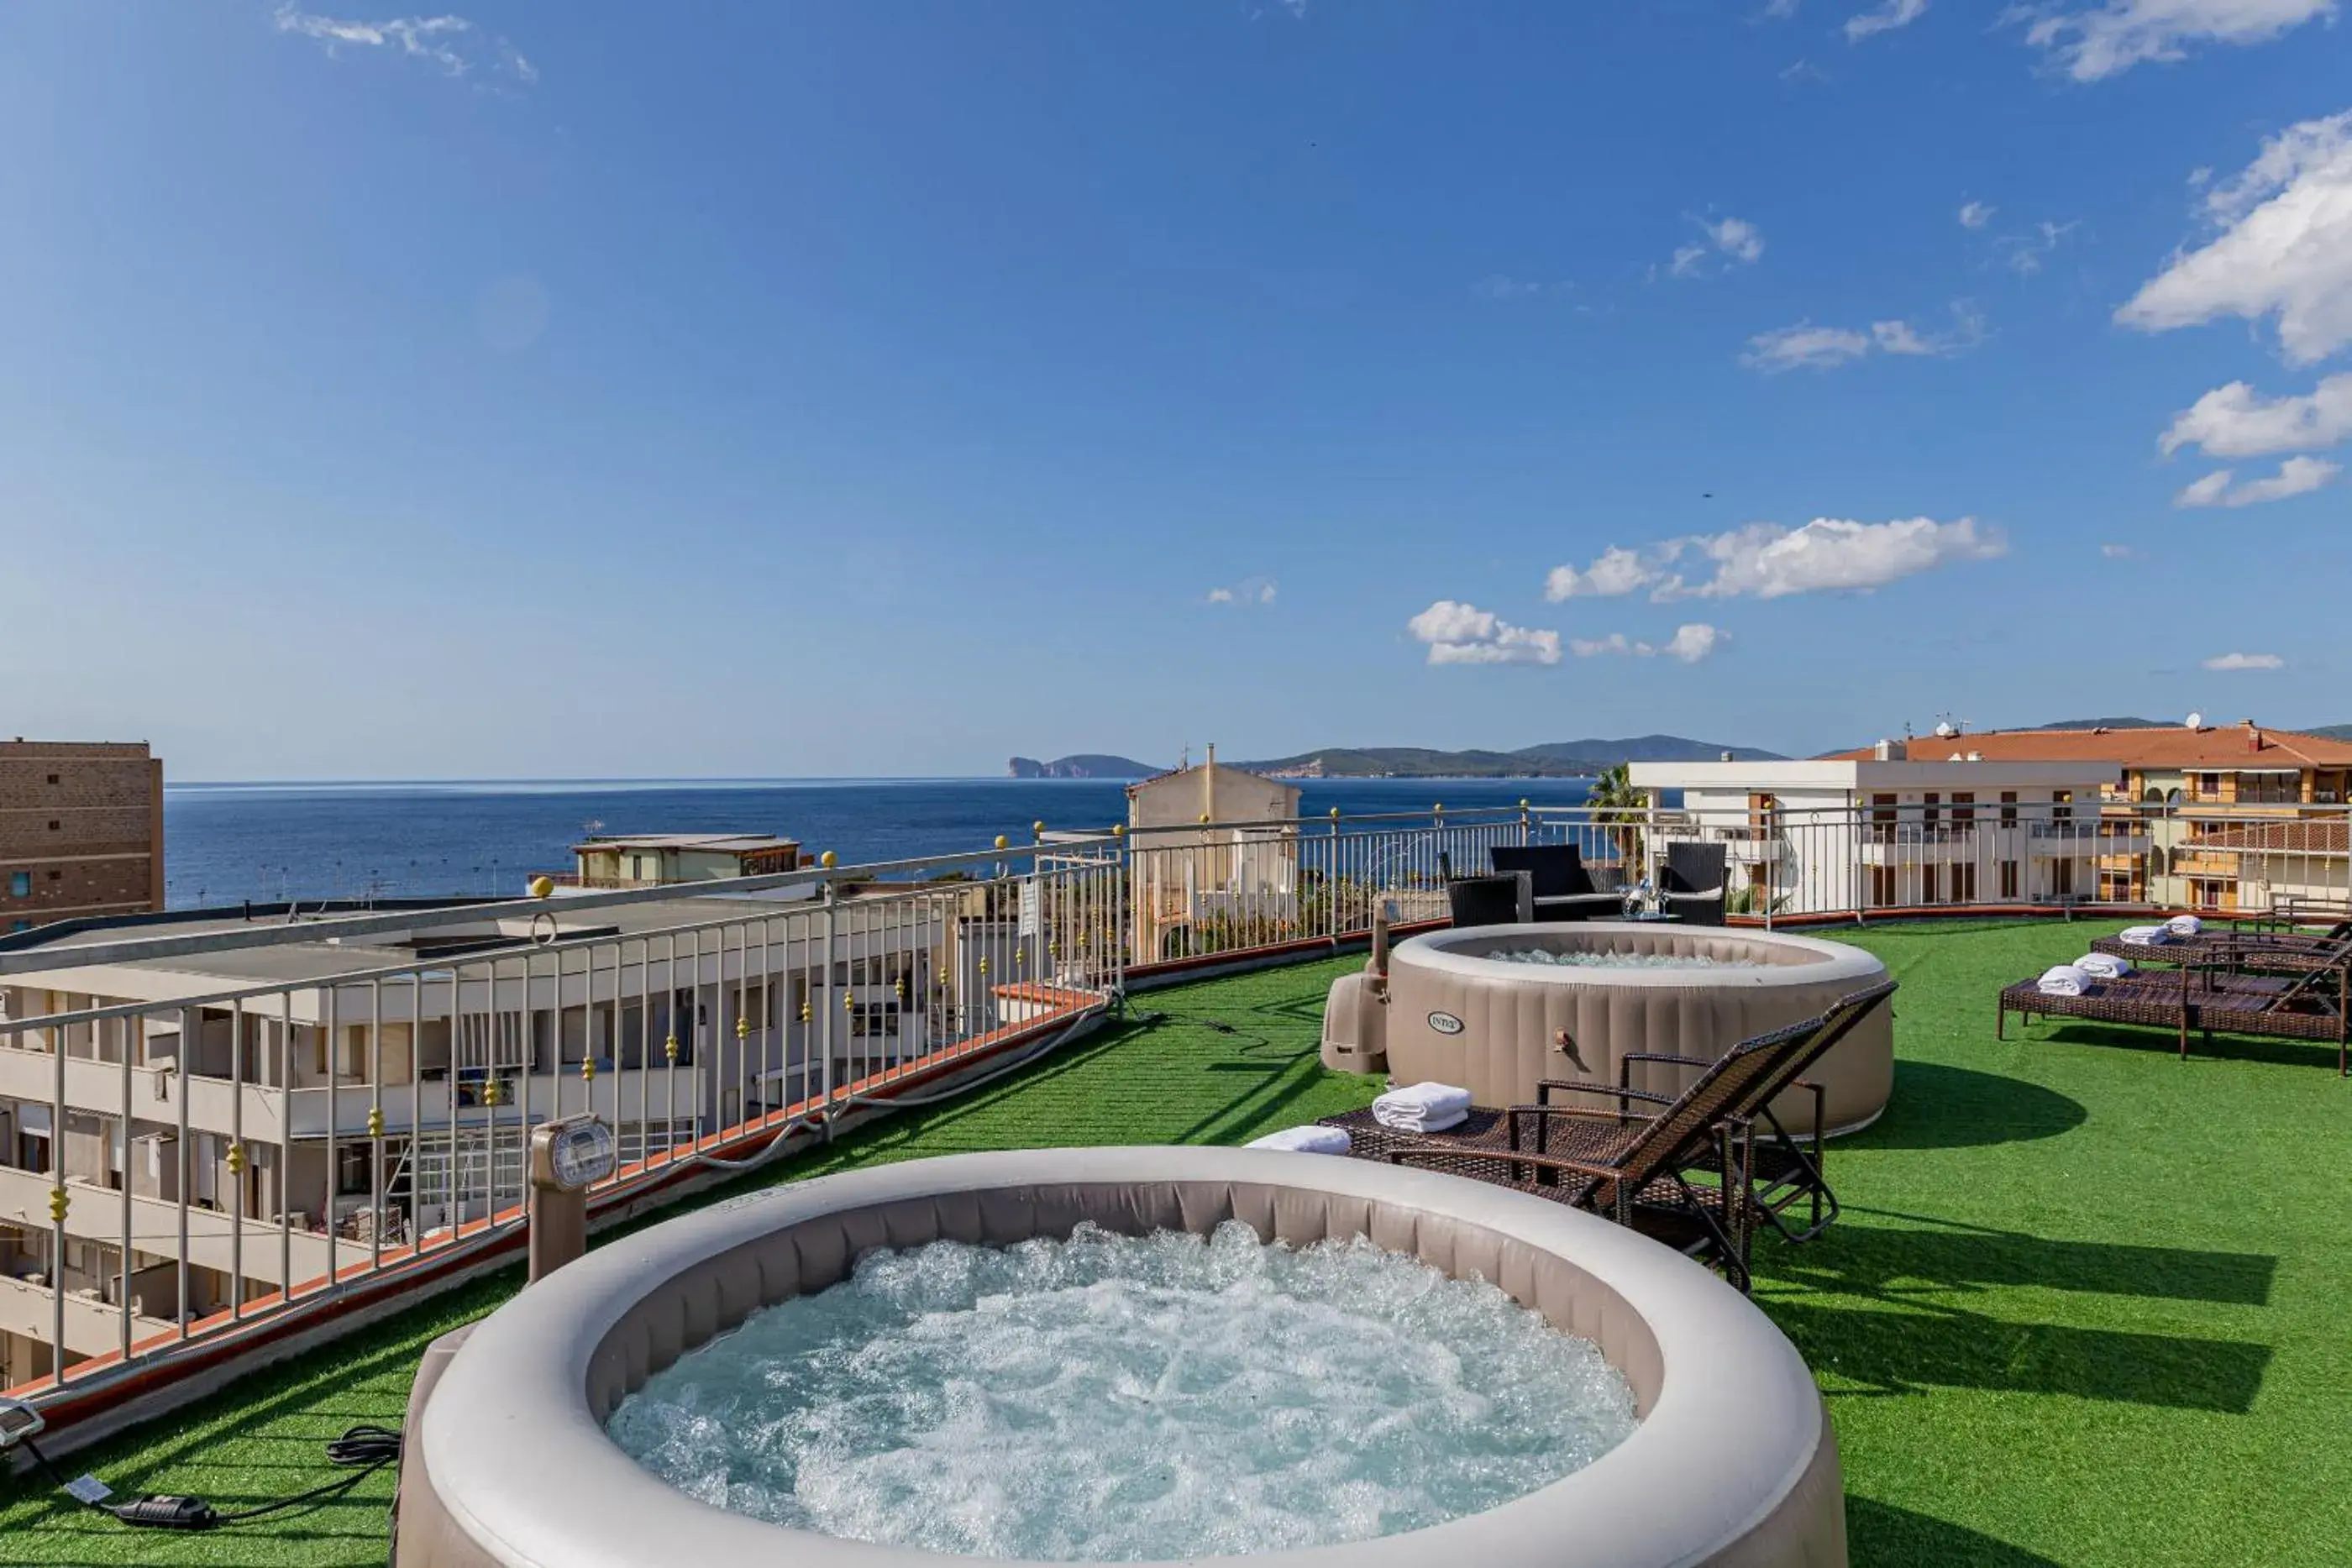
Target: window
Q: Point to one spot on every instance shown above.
(1964, 810)
(1931, 810)
(53, 778)
(2009, 808)
(20, 884)
(1927, 885)
(1964, 882)
(2009, 879)
(2061, 878)
(2061, 805)
(1881, 821)
(1882, 886)
(53, 824)
(351, 1169)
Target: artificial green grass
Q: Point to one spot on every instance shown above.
(2087, 1305)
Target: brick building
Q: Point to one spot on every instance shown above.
(81, 831)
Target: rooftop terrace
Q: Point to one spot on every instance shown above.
(2085, 1306)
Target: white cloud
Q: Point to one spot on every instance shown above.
(2284, 247)
(1766, 561)
(2235, 421)
(1976, 215)
(1902, 338)
(1248, 590)
(2245, 662)
(1738, 242)
(1894, 14)
(1458, 634)
(2118, 552)
(2205, 492)
(2025, 254)
(452, 45)
(2296, 476)
(1810, 348)
(1690, 643)
(1780, 10)
(1616, 571)
(1694, 641)
(2093, 45)
(1804, 347)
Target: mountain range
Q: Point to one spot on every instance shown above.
(1552, 759)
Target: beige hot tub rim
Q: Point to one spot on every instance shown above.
(1734, 1464)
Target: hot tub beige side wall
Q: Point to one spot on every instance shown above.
(1510, 1035)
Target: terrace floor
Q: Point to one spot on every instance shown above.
(2089, 1304)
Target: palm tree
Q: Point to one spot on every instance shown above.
(1615, 800)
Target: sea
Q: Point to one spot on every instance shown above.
(225, 843)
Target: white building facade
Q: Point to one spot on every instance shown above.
(1831, 836)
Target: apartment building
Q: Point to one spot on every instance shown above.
(1877, 831)
(81, 831)
(2237, 819)
(368, 1092)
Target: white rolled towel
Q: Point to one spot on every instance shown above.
(2103, 966)
(2146, 935)
(1421, 1108)
(2063, 980)
(1306, 1140)
(2184, 925)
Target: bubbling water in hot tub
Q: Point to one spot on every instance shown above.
(1581, 958)
(1117, 1399)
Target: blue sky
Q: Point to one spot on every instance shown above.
(885, 387)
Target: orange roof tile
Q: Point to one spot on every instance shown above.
(2217, 747)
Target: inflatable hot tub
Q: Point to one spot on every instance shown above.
(1494, 1008)
(1730, 1463)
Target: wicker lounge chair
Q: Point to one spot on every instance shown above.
(2312, 1006)
(1785, 1167)
(1488, 900)
(1635, 1164)
(2255, 952)
(1563, 888)
(1693, 883)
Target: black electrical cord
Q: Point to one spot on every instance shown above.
(364, 1449)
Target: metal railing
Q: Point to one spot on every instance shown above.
(187, 1157)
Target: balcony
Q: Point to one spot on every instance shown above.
(95, 1213)
(94, 1325)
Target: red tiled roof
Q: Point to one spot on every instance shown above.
(2219, 748)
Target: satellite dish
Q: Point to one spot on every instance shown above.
(1946, 730)
(2197, 721)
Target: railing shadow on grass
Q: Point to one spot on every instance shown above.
(2162, 1039)
(1940, 1107)
(1881, 1535)
(1943, 1256)
(1871, 1310)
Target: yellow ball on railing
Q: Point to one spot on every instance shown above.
(542, 887)
(1037, 828)
(1119, 830)
(1002, 841)
(826, 860)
